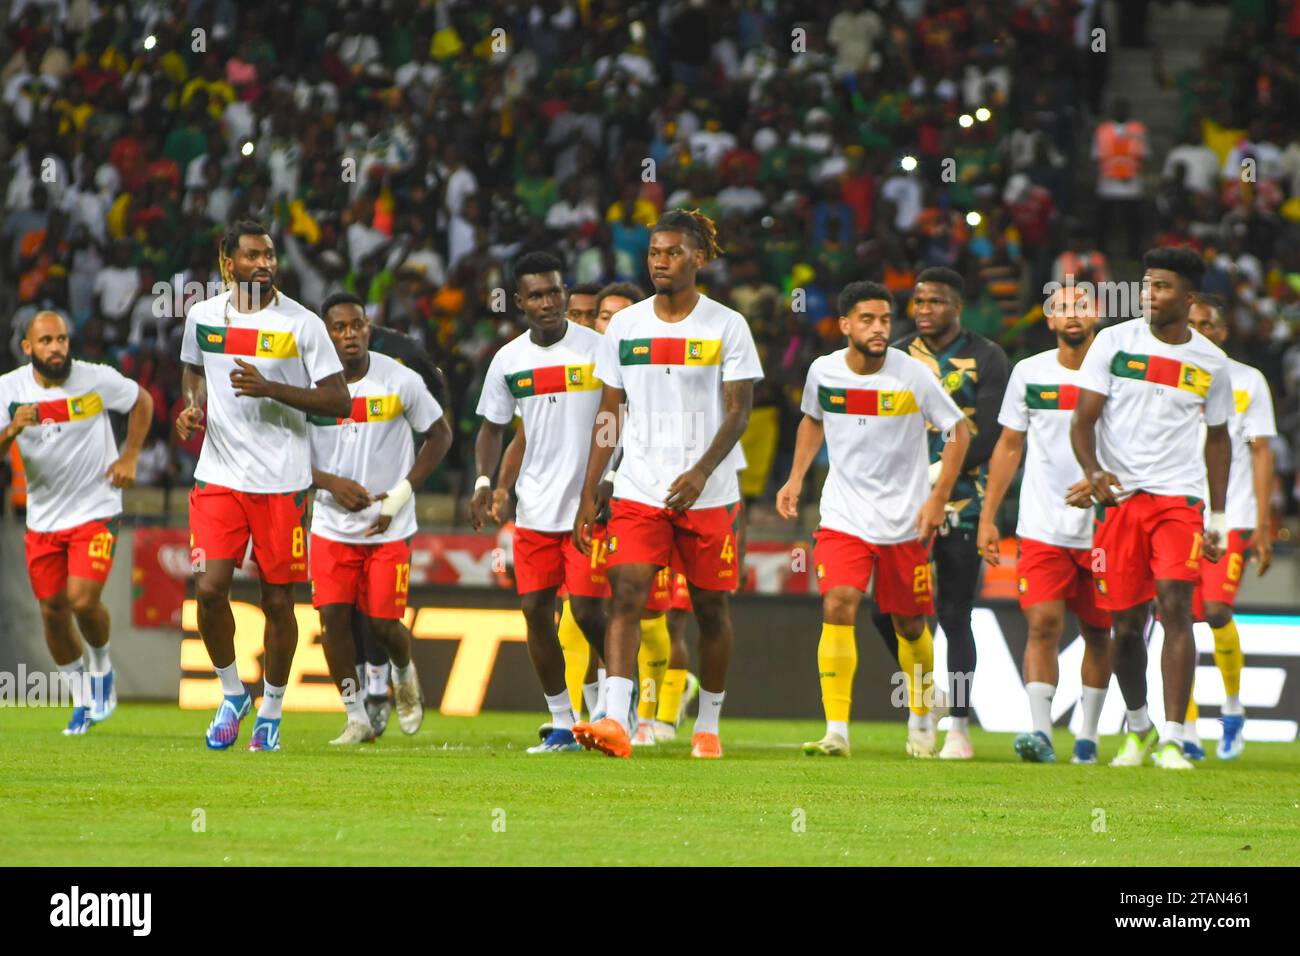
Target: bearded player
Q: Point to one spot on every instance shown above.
(260, 363)
(366, 467)
(56, 409)
(1144, 387)
(684, 366)
(871, 405)
(1055, 558)
(1249, 529)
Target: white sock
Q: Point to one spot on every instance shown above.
(75, 676)
(356, 709)
(1137, 720)
(706, 720)
(377, 680)
(97, 659)
(618, 700)
(1093, 698)
(1189, 733)
(591, 696)
(1173, 733)
(561, 709)
(401, 674)
(272, 702)
(840, 727)
(1232, 706)
(231, 685)
(1040, 705)
(361, 680)
(602, 692)
(919, 721)
(961, 725)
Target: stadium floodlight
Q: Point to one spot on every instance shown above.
(965, 121)
(247, 148)
(150, 42)
(983, 114)
(908, 163)
(973, 218)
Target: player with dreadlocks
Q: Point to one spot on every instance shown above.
(684, 366)
(259, 363)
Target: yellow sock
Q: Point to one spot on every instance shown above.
(837, 660)
(670, 695)
(576, 654)
(1227, 655)
(1192, 710)
(652, 663)
(911, 655)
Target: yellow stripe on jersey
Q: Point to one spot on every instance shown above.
(897, 403)
(1241, 399)
(277, 345)
(87, 406)
(383, 408)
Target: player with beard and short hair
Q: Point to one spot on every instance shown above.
(1250, 481)
(1054, 566)
(366, 467)
(1144, 388)
(261, 363)
(56, 409)
(871, 404)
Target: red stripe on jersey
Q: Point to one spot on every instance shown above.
(860, 401)
(241, 341)
(1164, 371)
(548, 380)
(358, 412)
(53, 411)
(667, 351)
(1068, 397)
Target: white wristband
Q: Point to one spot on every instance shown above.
(397, 496)
(483, 482)
(609, 476)
(1218, 523)
(936, 469)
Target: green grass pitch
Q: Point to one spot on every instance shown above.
(462, 791)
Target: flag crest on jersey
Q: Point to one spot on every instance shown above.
(670, 352)
(553, 379)
(64, 409)
(250, 342)
(1161, 371)
(365, 408)
(1062, 397)
(866, 401)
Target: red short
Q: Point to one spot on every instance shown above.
(700, 543)
(681, 594)
(661, 592)
(1048, 572)
(903, 580)
(1219, 580)
(222, 520)
(85, 551)
(548, 559)
(1147, 538)
(374, 577)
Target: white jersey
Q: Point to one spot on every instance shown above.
(672, 375)
(1156, 394)
(555, 391)
(374, 447)
(1040, 399)
(1253, 419)
(66, 456)
(256, 445)
(876, 440)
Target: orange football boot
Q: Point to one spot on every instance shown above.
(606, 735)
(707, 746)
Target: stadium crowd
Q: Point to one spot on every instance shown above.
(408, 151)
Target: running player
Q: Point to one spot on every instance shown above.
(871, 405)
(545, 376)
(1054, 566)
(251, 356)
(685, 366)
(974, 372)
(365, 467)
(1143, 388)
(56, 410)
(1249, 528)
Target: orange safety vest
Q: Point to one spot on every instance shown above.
(1119, 148)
